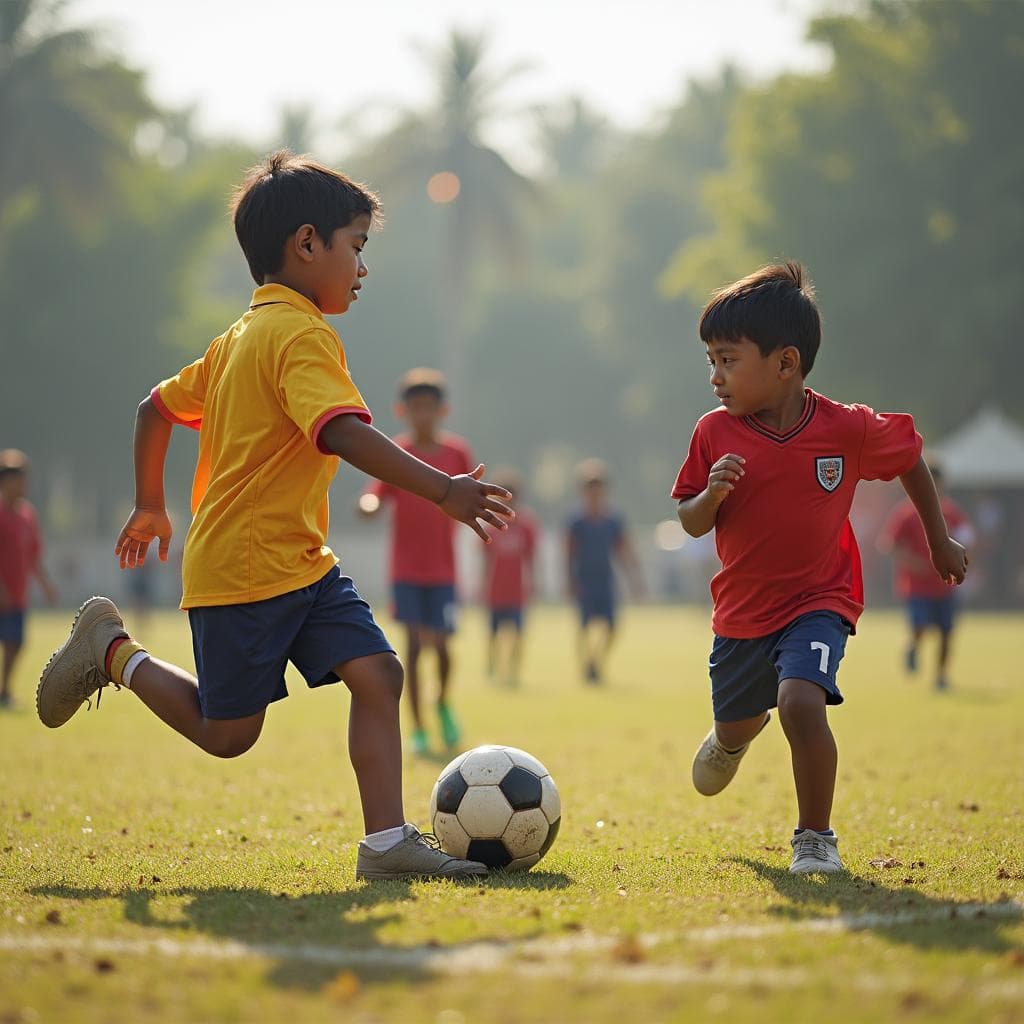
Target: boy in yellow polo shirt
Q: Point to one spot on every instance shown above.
(275, 408)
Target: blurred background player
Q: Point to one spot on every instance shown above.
(930, 601)
(508, 564)
(595, 539)
(21, 550)
(422, 559)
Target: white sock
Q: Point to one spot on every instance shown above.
(381, 842)
(132, 664)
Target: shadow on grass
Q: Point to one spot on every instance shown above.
(309, 938)
(902, 915)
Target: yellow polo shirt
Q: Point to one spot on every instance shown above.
(260, 397)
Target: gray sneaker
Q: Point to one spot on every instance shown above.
(417, 855)
(714, 766)
(75, 671)
(814, 853)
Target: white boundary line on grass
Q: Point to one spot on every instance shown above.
(545, 957)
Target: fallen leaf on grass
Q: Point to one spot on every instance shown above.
(53, 917)
(629, 951)
(886, 862)
(615, 867)
(104, 966)
(621, 891)
(968, 807)
(1003, 873)
(1016, 958)
(343, 987)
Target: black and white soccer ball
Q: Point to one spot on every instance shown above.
(497, 805)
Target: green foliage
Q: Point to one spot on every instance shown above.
(894, 177)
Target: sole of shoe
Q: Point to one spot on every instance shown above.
(408, 876)
(85, 618)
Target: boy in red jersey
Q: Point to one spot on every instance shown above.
(422, 560)
(21, 549)
(508, 583)
(276, 410)
(929, 601)
(773, 472)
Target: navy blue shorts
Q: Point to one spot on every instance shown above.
(12, 627)
(596, 604)
(241, 650)
(511, 614)
(745, 674)
(932, 611)
(431, 606)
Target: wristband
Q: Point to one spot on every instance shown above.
(440, 501)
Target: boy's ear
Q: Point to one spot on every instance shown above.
(789, 362)
(302, 242)
(399, 410)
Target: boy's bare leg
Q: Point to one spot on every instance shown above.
(172, 694)
(444, 664)
(374, 737)
(10, 655)
(733, 735)
(945, 638)
(813, 749)
(515, 654)
(412, 673)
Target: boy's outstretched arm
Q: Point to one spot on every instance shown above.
(465, 497)
(948, 556)
(149, 518)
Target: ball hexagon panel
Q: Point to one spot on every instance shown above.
(452, 835)
(485, 766)
(525, 760)
(484, 812)
(552, 833)
(523, 863)
(491, 852)
(451, 788)
(550, 802)
(522, 788)
(526, 833)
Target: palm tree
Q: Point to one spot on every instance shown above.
(68, 111)
(481, 194)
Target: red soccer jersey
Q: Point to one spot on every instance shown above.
(20, 550)
(508, 560)
(904, 530)
(784, 535)
(422, 536)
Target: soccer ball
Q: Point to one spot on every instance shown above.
(497, 805)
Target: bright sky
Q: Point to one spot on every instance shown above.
(240, 61)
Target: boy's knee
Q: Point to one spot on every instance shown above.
(392, 676)
(801, 702)
(229, 745)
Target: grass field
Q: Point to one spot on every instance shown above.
(141, 880)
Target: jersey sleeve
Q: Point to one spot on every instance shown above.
(891, 445)
(315, 384)
(180, 399)
(693, 475)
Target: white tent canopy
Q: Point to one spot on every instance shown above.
(987, 451)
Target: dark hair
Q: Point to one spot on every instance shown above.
(283, 192)
(422, 381)
(772, 307)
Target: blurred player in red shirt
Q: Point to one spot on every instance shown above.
(508, 583)
(929, 601)
(422, 558)
(21, 550)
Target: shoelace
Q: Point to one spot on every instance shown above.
(718, 758)
(429, 839)
(812, 846)
(96, 680)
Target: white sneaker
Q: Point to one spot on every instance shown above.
(813, 853)
(713, 765)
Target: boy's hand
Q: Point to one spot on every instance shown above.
(143, 526)
(723, 477)
(950, 561)
(468, 499)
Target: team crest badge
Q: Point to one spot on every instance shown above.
(830, 471)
